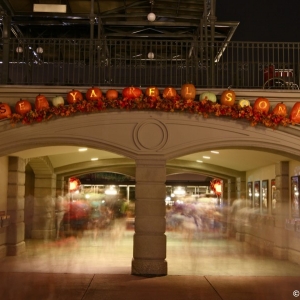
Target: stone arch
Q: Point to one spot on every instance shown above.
(127, 134)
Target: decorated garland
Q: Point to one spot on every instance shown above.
(170, 102)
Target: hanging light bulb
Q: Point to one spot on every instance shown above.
(151, 17)
(150, 55)
(39, 50)
(19, 49)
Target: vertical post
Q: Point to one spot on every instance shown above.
(282, 209)
(6, 38)
(91, 56)
(15, 206)
(213, 19)
(149, 249)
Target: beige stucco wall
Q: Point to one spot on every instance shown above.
(3, 200)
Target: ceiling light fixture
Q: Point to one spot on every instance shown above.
(206, 157)
(199, 161)
(215, 152)
(82, 149)
(94, 158)
(50, 8)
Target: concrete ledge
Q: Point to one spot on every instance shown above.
(149, 268)
(14, 250)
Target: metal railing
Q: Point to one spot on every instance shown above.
(115, 62)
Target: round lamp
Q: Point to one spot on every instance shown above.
(151, 17)
(19, 49)
(150, 55)
(39, 50)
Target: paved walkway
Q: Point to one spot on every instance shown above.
(207, 268)
(41, 286)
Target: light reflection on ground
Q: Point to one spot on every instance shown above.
(209, 253)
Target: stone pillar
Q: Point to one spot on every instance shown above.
(240, 188)
(15, 206)
(149, 245)
(44, 207)
(282, 182)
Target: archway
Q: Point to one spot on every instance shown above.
(153, 140)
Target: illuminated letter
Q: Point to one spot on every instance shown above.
(262, 104)
(73, 95)
(229, 97)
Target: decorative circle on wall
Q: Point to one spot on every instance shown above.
(150, 135)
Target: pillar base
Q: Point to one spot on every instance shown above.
(17, 249)
(149, 267)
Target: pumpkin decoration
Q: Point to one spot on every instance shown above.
(5, 111)
(152, 91)
(228, 98)
(169, 93)
(22, 107)
(261, 105)
(208, 96)
(188, 91)
(93, 94)
(112, 94)
(280, 109)
(41, 102)
(244, 102)
(57, 101)
(74, 96)
(295, 113)
(131, 92)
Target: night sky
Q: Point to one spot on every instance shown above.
(262, 20)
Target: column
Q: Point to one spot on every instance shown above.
(149, 244)
(15, 206)
(282, 182)
(44, 207)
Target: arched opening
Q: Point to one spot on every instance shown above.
(240, 230)
(179, 142)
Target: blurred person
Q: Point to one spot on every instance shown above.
(239, 207)
(49, 209)
(60, 209)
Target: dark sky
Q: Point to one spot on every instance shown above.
(262, 20)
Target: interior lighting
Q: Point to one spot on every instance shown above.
(94, 158)
(179, 191)
(215, 152)
(111, 190)
(82, 149)
(199, 161)
(206, 157)
(50, 8)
